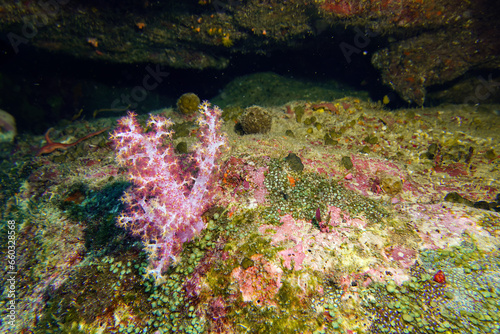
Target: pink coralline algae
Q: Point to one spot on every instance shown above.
(259, 283)
(309, 244)
(338, 218)
(404, 256)
(165, 204)
(245, 181)
(307, 247)
(442, 225)
(367, 172)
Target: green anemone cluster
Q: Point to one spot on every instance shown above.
(329, 302)
(175, 307)
(473, 280)
(467, 303)
(92, 292)
(301, 194)
(171, 311)
(414, 307)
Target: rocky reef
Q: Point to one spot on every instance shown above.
(343, 218)
(415, 44)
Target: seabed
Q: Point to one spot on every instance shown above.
(345, 217)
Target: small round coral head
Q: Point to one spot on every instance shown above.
(439, 277)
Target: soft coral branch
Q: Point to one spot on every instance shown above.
(164, 206)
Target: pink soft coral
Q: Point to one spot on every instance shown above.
(165, 204)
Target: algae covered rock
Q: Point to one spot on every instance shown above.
(294, 162)
(255, 120)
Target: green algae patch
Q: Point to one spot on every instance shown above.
(303, 194)
(102, 286)
(257, 244)
(275, 320)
